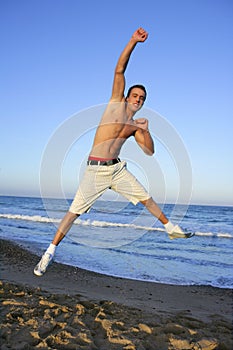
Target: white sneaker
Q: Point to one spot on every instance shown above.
(177, 232)
(44, 262)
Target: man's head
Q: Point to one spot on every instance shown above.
(136, 97)
(137, 86)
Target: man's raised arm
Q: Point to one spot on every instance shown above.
(140, 35)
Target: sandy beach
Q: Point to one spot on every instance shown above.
(71, 308)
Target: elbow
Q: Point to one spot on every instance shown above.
(149, 151)
(119, 69)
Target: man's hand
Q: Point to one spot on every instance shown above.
(140, 35)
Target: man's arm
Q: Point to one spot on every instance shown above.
(143, 136)
(140, 35)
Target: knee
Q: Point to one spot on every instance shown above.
(147, 203)
(72, 216)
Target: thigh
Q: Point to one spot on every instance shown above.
(125, 183)
(94, 183)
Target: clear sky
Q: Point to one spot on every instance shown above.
(58, 57)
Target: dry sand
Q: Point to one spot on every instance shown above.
(70, 308)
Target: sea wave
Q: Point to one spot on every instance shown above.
(98, 223)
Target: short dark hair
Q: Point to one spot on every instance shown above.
(142, 87)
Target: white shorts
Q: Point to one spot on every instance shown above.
(98, 178)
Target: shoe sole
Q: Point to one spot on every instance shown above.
(37, 273)
(179, 235)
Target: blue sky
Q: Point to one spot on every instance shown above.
(58, 57)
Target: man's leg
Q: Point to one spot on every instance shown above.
(154, 209)
(95, 182)
(62, 230)
(64, 227)
(127, 185)
(174, 231)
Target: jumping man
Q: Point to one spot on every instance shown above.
(104, 168)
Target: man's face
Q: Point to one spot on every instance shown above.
(136, 99)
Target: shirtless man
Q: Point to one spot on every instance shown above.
(104, 169)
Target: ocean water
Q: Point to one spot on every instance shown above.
(120, 239)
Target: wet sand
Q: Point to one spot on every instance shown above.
(71, 308)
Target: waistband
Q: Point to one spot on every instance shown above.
(103, 162)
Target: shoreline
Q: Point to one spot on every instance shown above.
(133, 312)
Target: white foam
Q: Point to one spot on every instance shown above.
(97, 223)
(88, 222)
(117, 224)
(211, 234)
(36, 218)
